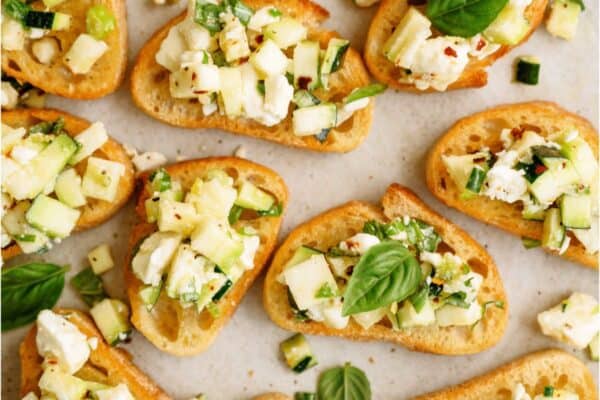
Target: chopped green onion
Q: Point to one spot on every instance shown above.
(476, 178)
(548, 391)
(25, 237)
(275, 211)
(207, 15)
(99, 21)
(274, 12)
(365, 91)
(528, 70)
(161, 180)
(260, 86)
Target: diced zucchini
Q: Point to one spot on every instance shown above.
(509, 27)
(99, 21)
(460, 168)
(84, 53)
(52, 217)
(186, 275)
(581, 155)
(364, 92)
(31, 179)
(297, 353)
(268, 59)
(29, 239)
(62, 385)
(593, 346)
(560, 176)
(47, 20)
(450, 315)
(370, 318)
(89, 141)
(176, 216)
(222, 290)
(151, 204)
(231, 93)
(563, 19)
(306, 65)
(301, 254)
(52, 3)
(553, 233)
(254, 198)
(286, 32)
(313, 120)
(112, 318)
(576, 210)
(528, 70)
(160, 180)
(409, 317)
(150, 295)
(209, 290)
(533, 210)
(68, 189)
(342, 266)
(549, 156)
(529, 243)
(101, 179)
(218, 243)
(408, 36)
(213, 197)
(100, 259)
(10, 137)
(334, 57)
(233, 40)
(306, 278)
(303, 98)
(476, 179)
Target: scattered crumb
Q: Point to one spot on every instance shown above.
(295, 381)
(371, 360)
(240, 152)
(220, 141)
(202, 147)
(250, 373)
(392, 350)
(180, 157)
(245, 388)
(370, 177)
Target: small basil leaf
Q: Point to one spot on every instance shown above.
(375, 228)
(386, 273)
(29, 289)
(344, 383)
(89, 286)
(464, 18)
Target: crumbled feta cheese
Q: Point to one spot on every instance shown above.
(507, 138)
(45, 50)
(262, 17)
(504, 183)
(575, 320)
(170, 50)
(30, 396)
(36, 33)
(278, 95)
(23, 154)
(13, 34)
(519, 393)
(119, 392)
(59, 339)
(332, 314)
(148, 161)
(9, 97)
(208, 109)
(154, 255)
(359, 243)
(196, 36)
(434, 259)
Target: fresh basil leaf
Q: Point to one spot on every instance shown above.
(344, 383)
(29, 289)
(275, 211)
(423, 235)
(385, 274)
(464, 18)
(207, 15)
(89, 286)
(375, 228)
(365, 91)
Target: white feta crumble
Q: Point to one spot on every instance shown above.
(359, 243)
(9, 97)
(519, 393)
(504, 183)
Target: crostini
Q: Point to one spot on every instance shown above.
(65, 356)
(397, 272)
(75, 49)
(530, 169)
(60, 174)
(260, 68)
(441, 45)
(541, 375)
(206, 229)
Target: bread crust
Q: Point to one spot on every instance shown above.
(535, 371)
(181, 331)
(56, 78)
(388, 16)
(483, 129)
(330, 227)
(95, 211)
(107, 365)
(150, 90)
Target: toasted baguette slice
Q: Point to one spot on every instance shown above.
(182, 331)
(535, 371)
(272, 396)
(95, 211)
(328, 229)
(105, 76)
(483, 130)
(388, 16)
(107, 365)
(150, 89)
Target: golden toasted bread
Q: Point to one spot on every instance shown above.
(182, 331)
(328, 229)
(150, 89)
(483, 130)
(107, 365)
(105, 76)
(95, 211)
(388, 16)
(535, 371)
(272, 396)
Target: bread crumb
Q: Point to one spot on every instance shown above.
(371, 360)
(240, 152)
(250, 373)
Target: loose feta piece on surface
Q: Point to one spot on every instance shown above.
(262, 17)
(171, 49)
(119, 392)
(154, 256)
(45, 49)
(59, 339)
(148, 161)
(84, 53)
(359, 243)
(306, 278)
(575, 320)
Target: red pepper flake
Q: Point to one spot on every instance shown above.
(303, 82)
(450, 52)
(480, 44)
(539, 169)
(259, 39)
(517, 133)
(194, 76)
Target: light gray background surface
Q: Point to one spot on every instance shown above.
(245, 360)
